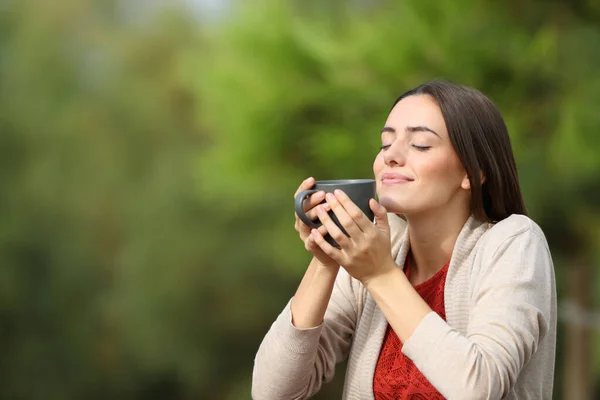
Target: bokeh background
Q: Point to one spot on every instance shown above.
(149, 152)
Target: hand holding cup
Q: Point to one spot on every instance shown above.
(308, 208)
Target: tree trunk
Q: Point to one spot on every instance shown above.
(578, 361)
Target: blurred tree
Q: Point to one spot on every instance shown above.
(148, 167)
(98, 142)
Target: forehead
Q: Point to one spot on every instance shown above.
(417, 110)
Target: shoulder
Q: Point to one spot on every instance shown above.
(516, 229)
(514, 260)
(515, 247)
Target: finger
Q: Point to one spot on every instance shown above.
(310, 244)
(306, 184)
(325, 247)
(381, 215)
(304, 230)
(306, 234)
(343, 216)
(301, 228)
(334, 231)
(358, 217)
(312, 214)
(322, 230)
(309, 241)
(312, 200)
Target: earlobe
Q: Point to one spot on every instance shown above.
(466, 183)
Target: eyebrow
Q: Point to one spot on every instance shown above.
(420, 128)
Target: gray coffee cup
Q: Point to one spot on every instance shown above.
(360, 191)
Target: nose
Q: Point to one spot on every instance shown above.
(395, 155)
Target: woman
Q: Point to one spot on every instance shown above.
(456, 299)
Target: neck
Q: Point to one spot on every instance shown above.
(432, 238)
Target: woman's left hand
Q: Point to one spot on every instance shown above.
(367, 252)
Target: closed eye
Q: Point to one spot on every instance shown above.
(385, 146)
(421, 148)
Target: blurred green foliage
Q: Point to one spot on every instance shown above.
(148, 162)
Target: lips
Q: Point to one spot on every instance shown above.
(395, 179)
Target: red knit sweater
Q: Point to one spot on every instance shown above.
(396, 376)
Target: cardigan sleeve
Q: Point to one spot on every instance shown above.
(510, 314)
(293, 363)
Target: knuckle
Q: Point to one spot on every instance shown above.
(371, 234)
(355, 214)
(338, 236)
(314, 204)
(308, 244)
(363, 248)
(346, 221)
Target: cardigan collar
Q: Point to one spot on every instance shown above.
(463, 256)
(468, 237)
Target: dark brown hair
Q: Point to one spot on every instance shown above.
(480, 138)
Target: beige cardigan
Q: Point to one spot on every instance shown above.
(498, 342)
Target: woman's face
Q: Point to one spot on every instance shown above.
(417, 169)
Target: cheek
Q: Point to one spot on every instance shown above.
(378, 164)
(454, 168)
(443, 168)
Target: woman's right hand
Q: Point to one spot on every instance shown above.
(310, 210)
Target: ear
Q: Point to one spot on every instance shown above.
(466, 183)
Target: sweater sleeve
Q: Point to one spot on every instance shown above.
(510, 314)
(293, 363)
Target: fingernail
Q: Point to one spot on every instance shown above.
(337, 192)
(329, 196)
(320, 194)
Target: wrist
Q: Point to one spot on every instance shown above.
(389, 270)
(325, 269)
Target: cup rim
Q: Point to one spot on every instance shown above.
(343, 181)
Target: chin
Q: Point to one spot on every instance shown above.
(392, 205)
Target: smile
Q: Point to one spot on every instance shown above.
(395, 179)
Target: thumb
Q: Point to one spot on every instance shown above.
(381, 217)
